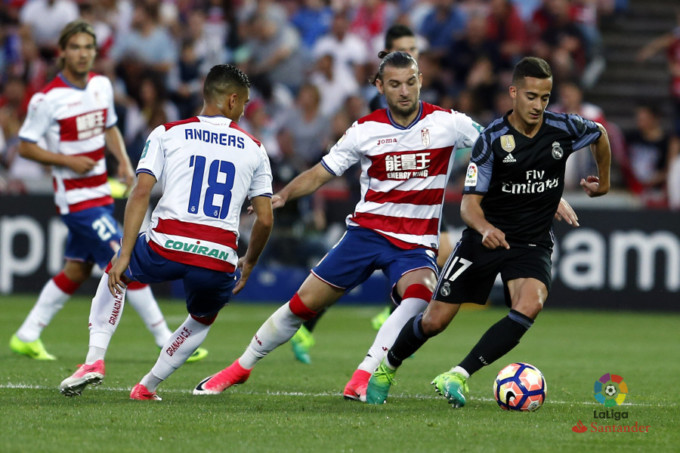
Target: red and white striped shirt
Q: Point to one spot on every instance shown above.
(404, 171)
(72, 121)
(207, 167)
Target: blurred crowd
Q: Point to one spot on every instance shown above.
(310, 62)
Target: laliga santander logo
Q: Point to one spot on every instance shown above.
(610, 390)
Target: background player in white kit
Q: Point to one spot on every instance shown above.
(207, 166)
(406, 153)
(74, 114)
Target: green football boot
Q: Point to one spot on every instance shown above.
(378, 320)
(34, 349)
(199, 354)
(452, 386)
(302, 342)
(379, 384)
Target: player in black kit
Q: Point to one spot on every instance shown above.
(513, 186)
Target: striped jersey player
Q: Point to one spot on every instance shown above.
(73, 120)
(404, 171)
(207, 166)
(406, 154)
(212, 153)
(69, 125)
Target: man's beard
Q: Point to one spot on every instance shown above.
(403, 111)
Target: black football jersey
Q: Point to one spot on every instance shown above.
(522, 178)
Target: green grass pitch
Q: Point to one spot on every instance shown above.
(288, 406)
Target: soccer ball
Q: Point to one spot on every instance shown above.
(519, 387)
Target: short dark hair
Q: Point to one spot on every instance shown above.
(223, 79)
(531, 67)
(395, 32)
(396, 60)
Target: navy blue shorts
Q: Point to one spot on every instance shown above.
(360, 252)
(207, 291)
(93, 235)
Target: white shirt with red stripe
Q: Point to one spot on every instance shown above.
(207, 166)
(404, 171)
(72, 121)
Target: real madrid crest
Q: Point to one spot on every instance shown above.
(508, 143)
(425, 136)
(445, 290)
(557, 151)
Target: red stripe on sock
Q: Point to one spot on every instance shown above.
(418, 291)
(65, 284)
(136, 285)
(205, 320)
(299, 309)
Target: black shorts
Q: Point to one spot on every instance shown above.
(471, 270)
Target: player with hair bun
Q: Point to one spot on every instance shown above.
(406, 153)
(512, 190)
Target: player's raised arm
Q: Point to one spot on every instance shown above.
(473, 215)
(596, 186)
(305, 183)
(262, 228)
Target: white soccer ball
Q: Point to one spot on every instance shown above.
(520, 387)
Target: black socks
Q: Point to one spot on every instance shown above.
(500, 339)
(410, 339)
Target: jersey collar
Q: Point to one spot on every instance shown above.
(66, 82)
(415, 120)
(512, 128)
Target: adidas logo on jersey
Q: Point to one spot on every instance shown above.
(509, 159)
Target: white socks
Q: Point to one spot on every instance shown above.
(105, 314)
(143, 301)
(176, 350)
(390, 330)
(50, 301)
(460, 370)
(279, 328)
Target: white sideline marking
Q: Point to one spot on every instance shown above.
(11, 386)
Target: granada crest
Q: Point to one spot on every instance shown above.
(425, 136)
